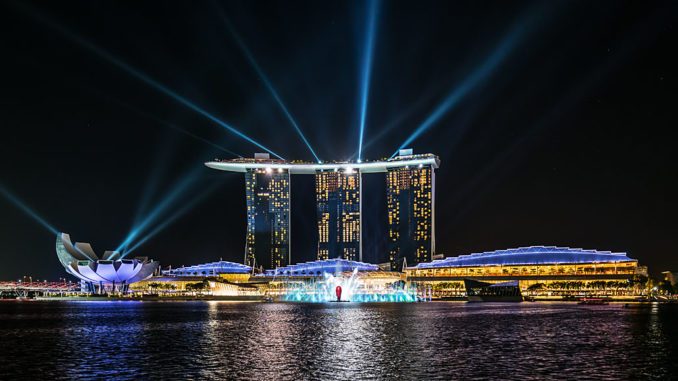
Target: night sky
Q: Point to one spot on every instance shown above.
(558, 130)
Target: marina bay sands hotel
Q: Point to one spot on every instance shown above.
(410, 187)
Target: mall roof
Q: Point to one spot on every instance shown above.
(242, 165)
(213, 268)
(317, 268)
(527, 256)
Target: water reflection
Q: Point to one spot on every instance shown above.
(222, 340)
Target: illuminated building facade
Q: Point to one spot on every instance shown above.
(209, 269)
(338, 213)
(108, 273)
(268, 217)
(671, 276)
(410, 198)
(539, 272)
(339, 206)
(545, 270)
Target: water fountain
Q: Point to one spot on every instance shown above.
(340, 287)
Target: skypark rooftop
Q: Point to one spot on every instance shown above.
(309, 168)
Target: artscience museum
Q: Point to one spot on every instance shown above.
(110, 273)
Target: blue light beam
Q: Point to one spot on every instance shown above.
(512, 155)
(141, 76)
(260, 73)
(167, 202)
(170, 219)
(367, 70)
(166, 123)
(150, 186)
(21, 205)
(489, 67)
(153, 179)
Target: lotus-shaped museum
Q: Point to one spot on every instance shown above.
(109, 274)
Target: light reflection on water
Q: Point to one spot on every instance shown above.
(221, 340)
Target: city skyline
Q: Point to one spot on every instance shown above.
(347, 190)
(550, 132)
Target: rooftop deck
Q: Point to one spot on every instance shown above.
(309, 168)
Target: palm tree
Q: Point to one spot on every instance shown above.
(153, 286)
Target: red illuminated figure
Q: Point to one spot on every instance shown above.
(338, 293)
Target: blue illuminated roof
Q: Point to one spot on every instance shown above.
(213, 268)
(527, 256)
(317, 268)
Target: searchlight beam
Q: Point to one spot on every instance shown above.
(489, 67)
(367, 70)
(140, 76)
(268, 84)
(24, 208)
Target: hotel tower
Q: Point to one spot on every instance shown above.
(338, 212)
(410, 202)
(410, 198)
(267, 193)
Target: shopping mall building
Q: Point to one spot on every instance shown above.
(540, 270)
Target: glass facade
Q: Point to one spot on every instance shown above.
(267, 194)
(338, 214)
(410, 203)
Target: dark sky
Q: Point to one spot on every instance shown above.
(562, 135)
